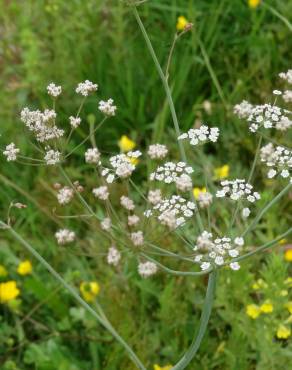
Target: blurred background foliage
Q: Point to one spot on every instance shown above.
(233, 53)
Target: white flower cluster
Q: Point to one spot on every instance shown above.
(106, 224)
(101, 192)
(157, 151)
(52, 157)
(287, 96)
(65, 236)
(74, 121)
(268, 116)
(238, 189)
(92, 156)
(278, 158)
(286, 76)
(177, 173)
(174, 211)
(146, 269)
(42, 124)
(113, 256)
(54, 90)
(127, 203)
(65, 195)
(137, 238)
(216, 251)
(243, 110)
(205, 199)
(122, 164)
(133, 220)
(201, 135)
(11, 152)
(107, 107)
(86, 87)
(154, 196)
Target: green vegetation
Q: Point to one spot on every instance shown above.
(232, 53)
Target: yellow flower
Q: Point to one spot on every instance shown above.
(126, 144)
(3, 271)
(198, 191)
(89, 290)
(157, 367)
(24, 268)
(181, 23)
(133, 160)
(253, 3)
(253, 311)
(221, 172)
(288, 255)
(8, 291)
(283, 332)
(283, 241)
(288, 305)
(267, 307)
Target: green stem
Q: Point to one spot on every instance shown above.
(169, 99)
(73, 292)
(207, 308)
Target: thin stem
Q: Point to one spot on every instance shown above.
(73, 292)
(176, 37)
(169, 99)
(207, 308)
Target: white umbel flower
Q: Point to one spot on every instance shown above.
(92, 156)
(65, 195)
(243, 110)
(147, 269)
(113, 256)
(65, 236)
(52, 157)
(107, 107)
(205, 199)
(54, 90)
(127, 203)
(133, 220)
(245, 212)
(106, 224)
(287, 76)
(157, 151)
(86, 87)
(184, 182)
(154, 196)
(137, 238)
(202, 134)
(237, 189)
(11, 152)
(101, 192)
(74, 121)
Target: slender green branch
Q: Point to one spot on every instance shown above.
(205, 316)
(73, 292)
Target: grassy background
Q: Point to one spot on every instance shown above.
(233, 53)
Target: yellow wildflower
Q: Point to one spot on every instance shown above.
(283, 241)
(288, 255)
(288, 305)
(3, 271)
(198, 191)
(24, 268)
(133, 160)
(253, 3)
(181, 23)
(167, 367)
(267, 307)
(221, 172)
(8, 291)
(253, 311)
(283, 332)
(126, 144)
(89, 290)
